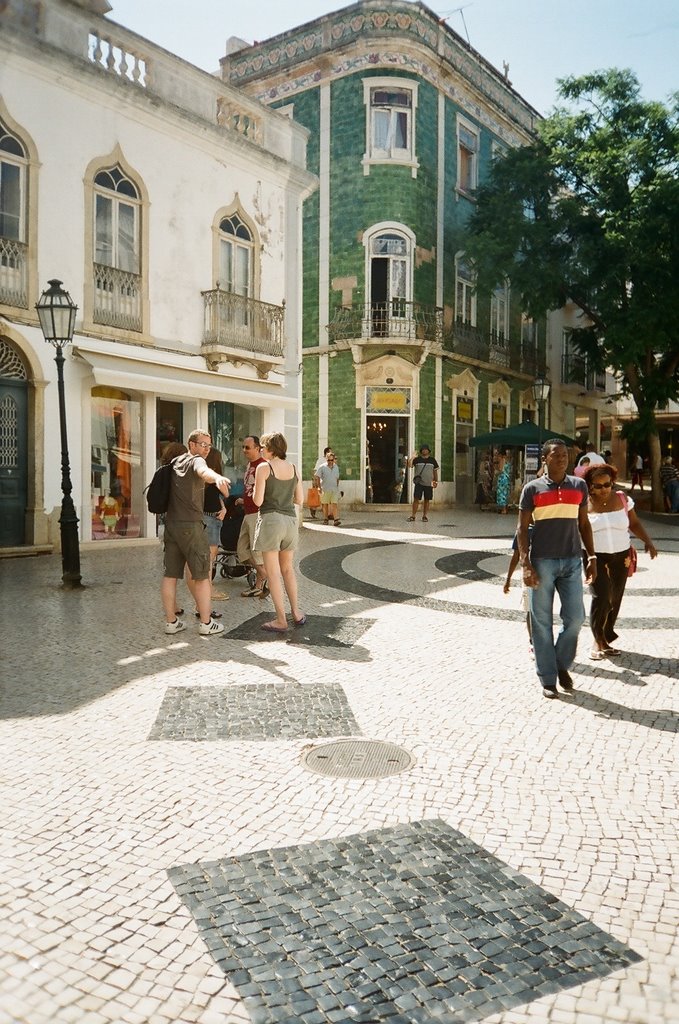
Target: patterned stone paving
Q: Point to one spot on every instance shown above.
(572, 807)
(410, 924)
(261, 711)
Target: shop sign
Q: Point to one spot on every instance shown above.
(395, 401)
(498, 417)
(465, 410)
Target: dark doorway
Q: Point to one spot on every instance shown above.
(387, 455)
(13, 461)
(378, 294)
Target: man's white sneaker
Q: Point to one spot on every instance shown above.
(210, 628)
(175, 627)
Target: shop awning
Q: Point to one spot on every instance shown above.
(177, 376)
(519, 435)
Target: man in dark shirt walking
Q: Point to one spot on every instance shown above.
(556, 505)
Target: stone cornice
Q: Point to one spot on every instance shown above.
(377, 33)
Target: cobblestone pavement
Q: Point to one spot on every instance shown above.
(168, 855)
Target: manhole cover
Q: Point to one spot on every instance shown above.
(358, 759)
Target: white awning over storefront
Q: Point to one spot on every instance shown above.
(166, 373)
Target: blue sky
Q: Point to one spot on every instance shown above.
(541, 40)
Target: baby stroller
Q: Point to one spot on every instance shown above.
(227, 556)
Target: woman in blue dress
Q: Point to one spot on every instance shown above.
(502, 483)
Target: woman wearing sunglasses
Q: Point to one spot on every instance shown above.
(612, 517)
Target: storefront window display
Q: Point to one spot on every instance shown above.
(228, 425)
(116, 474)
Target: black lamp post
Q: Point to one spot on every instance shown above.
(56, 310)
(541, 388)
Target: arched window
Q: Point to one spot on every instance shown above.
(13, 188)
(465, 291)
(235, 256)
(117, 255)
(390, 279)
(499, 313)
(116, 221)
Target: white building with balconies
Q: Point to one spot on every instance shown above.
(169, 204)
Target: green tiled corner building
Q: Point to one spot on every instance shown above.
(398, 349)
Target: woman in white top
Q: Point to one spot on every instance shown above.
(612, 517)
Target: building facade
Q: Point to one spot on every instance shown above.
(399, 349)
(170, 205)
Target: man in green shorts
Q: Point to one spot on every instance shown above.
(185, 540)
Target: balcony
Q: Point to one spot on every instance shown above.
(117, 298)
(576, 370)
(498, 349)
(239, 329)
(13, 276)
(467, 340)
(395, 321)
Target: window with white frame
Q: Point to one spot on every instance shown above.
(236, 251)
(117, 256)
(390, 281)
(13, 254)
(499, 313)
(235, 256)
(465, 291)
(467, 156)
(529, 335)
(390, 121)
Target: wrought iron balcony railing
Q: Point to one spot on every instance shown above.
(575, 369)
(498, 349)
(396, 320)
(13, 272)
(236, 322)
(468, 340)
(117, 298)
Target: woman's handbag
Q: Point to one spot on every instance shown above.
(313, 498)
(631, 560)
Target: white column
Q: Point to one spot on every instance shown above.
(323, 262)
(440, 198)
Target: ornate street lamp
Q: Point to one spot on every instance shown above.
(540, 388)
(57, 311)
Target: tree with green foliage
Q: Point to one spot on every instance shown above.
(589, 214)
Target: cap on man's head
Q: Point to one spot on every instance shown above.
(424, 448)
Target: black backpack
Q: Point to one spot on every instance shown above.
(158, 491)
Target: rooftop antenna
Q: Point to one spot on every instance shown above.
(458, 10)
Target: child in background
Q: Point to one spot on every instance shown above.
(525, 591)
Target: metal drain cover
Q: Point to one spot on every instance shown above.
(358, 759)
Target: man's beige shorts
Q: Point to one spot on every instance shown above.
(186, 544)
(246, 537)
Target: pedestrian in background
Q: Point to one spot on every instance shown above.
(314, 495)
(425, 479)
(503, 482)
(637, 472)
(278, 489)
(670, 480)
(214, 510)
(245, 549)
(556, 505)
(327, 478)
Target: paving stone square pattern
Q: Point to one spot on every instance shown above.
(254, 711)
(415, 923)
(318, 630)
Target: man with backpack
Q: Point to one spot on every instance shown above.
(185, 540)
